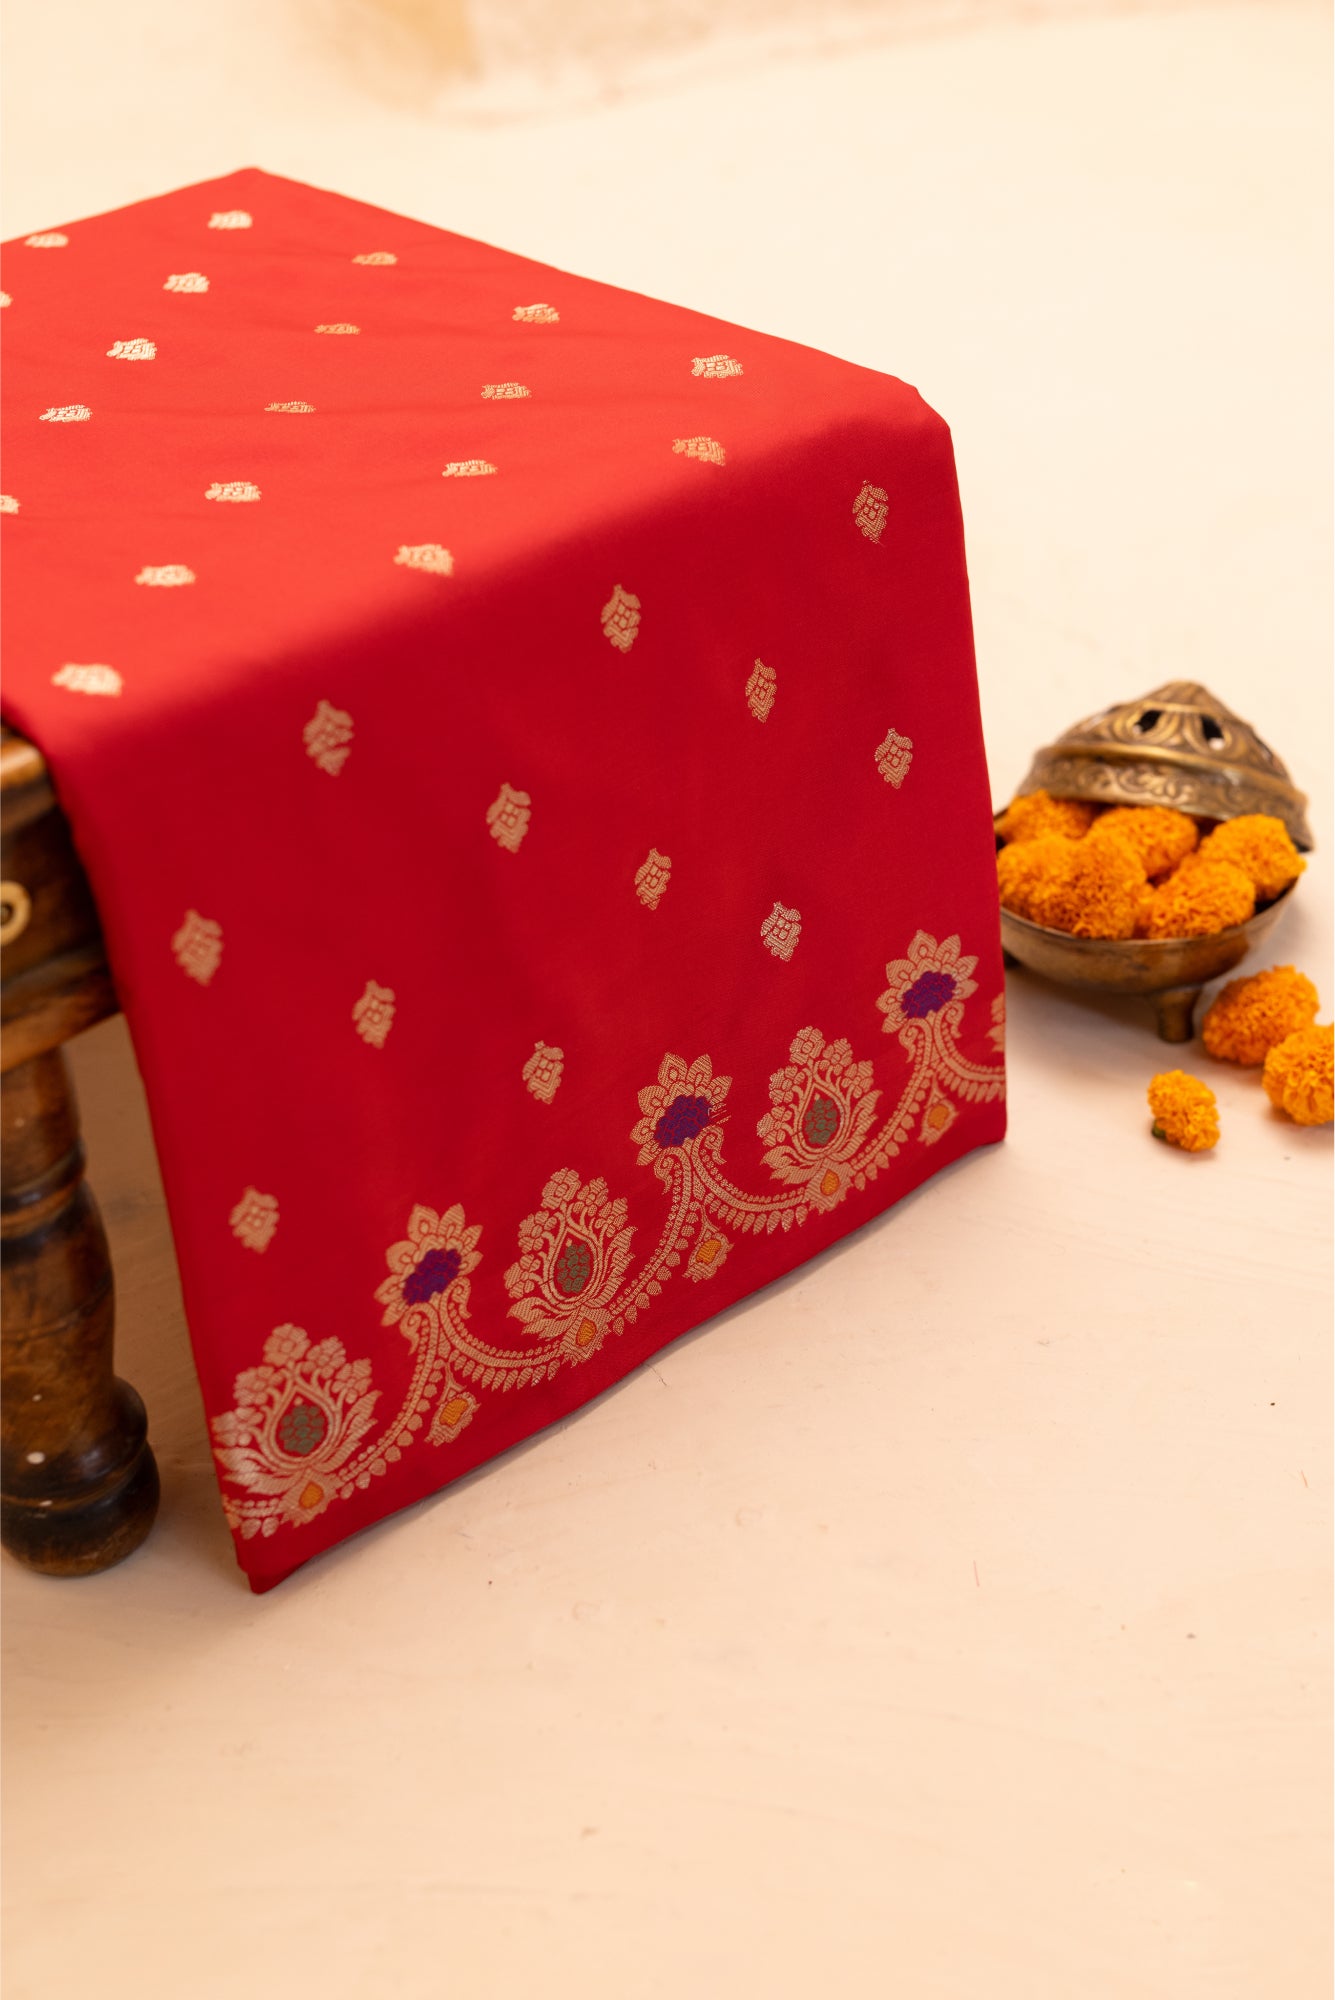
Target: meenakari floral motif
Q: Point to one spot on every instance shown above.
(373, 1015)
(375, 257)
(652, 878)
(299, 1417)
(186, 281)
(254, 1220)
(576, 1281)
(508, 816)
(67, 413)
(428, 556)
(198, 947)
(504, 392)
(539, 315)
(709, 450)
(328, 737)
(95, 679)
(871, 510)
(893, 758)
(229, 218)
(621, 618)
(715, 367)
(573, 1255)
(760, 691)
(233, 489)
(543, 1071)
(781, 931)
(165, 576)
(49, 239)
(467, 468)
(132, 350)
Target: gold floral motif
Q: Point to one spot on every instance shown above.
(539, 315)
(229, 218)
(373, 1015)
(292, 409)
(932, 979)
(49, 239)
(781, 931)
(823, 1106)
(760, 691)
(8, 504)
(715, 367)
(893, 758)
(132, 350)
(328, 737)
(165, 576)
(573, 1255)
(375, 257)
(996, 1034)
(508, 816)
(198, 946)
(233, 489)
(652, 878)
(5, 299)
(871, 509)
(67, 413)
(88, 680)
(299, 1418)
(255, 1219)
(186, 281)
(708, 450)
(686, 1100)
(621, 619)
(338, 326)
(504, 392)
(467, 468)
(430, 1267)
(543, 1071)
(428, 556)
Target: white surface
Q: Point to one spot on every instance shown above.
(953, 1619)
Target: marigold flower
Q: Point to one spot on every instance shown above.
(1250, 1016)
(1160, 836)
(1199, 898)
(1185, 1112)
(1026, 863)
(1260, 845)
(1095, 893)
(1299, 1075)
(1037, 813)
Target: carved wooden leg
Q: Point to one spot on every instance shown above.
(80, 1486)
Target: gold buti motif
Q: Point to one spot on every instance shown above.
(8, 504)
(1177, 746)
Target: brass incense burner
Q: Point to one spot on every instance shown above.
(1178, 746)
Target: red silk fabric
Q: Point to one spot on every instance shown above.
(524, 742)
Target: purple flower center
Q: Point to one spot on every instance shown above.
(438, 1269)
(684, 1117)
(929, 991)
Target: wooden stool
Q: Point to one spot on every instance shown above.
(80, 1486)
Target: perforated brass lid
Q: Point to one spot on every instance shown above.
(1178, 746)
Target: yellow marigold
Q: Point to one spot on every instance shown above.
(1198, 899)
(1095, 895)
(1038, 813)
(1247, 1019)
(1025, 864)
(1185, 1112)
(1160, 836)
(1260, 845)
(1299, 1076)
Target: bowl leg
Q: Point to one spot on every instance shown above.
(1174, 1010)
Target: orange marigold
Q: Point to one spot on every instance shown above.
(1260, 845)
(1025, 864)
(1160, 836)
(1199, 898)
(1299, 1076)
(1185, 1112)
(1250, 1015)
(1038, 813)
(1095, 895)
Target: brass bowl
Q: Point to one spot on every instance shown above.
(1169, 972)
